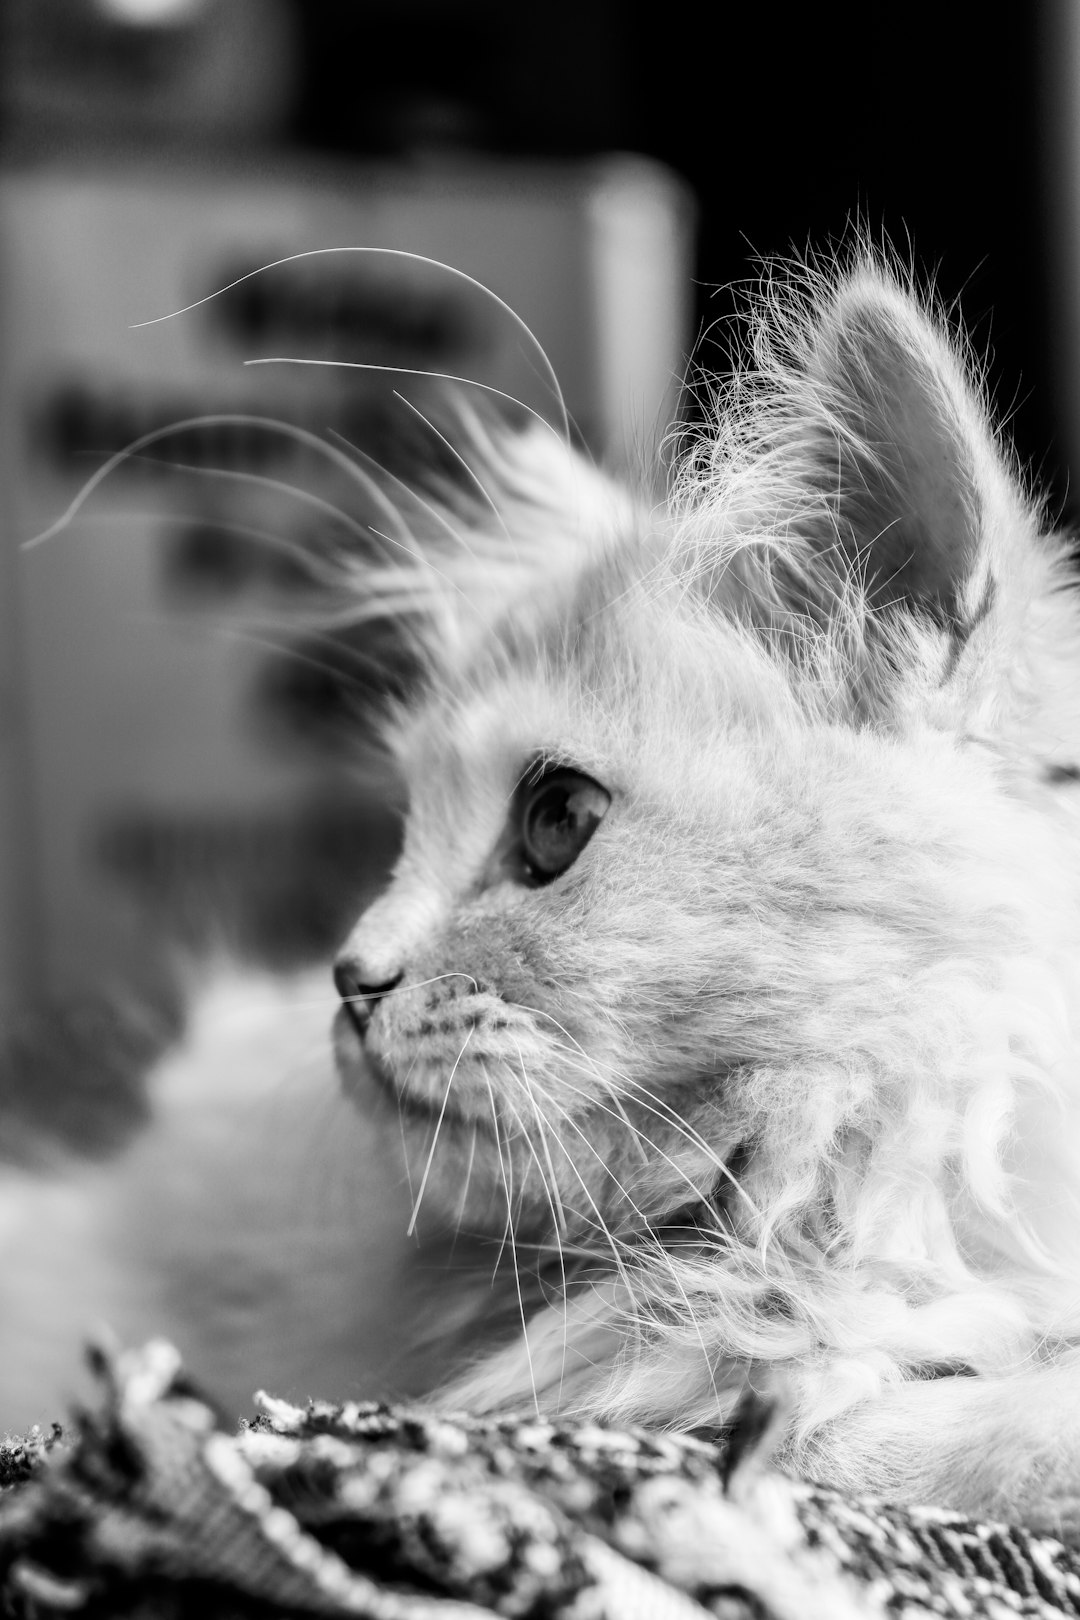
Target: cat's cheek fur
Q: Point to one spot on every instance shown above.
(519, 1107)
(479, 1127)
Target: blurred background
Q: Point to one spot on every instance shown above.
(171, 760)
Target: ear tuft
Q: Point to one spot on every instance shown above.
(861, 457)
(917, 474)
(908, 508)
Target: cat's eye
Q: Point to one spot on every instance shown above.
(559, 814)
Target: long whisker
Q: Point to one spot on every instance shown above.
(615, 1244)
(188, 424)
(478, 483)
(550, 1193)
(401, 1128)
(650, 1101)
(560, 1219)
(434, 512)
(666, 1115)
(779, 1262)
(588, 1067)
(659, 1252)
(554, 1198)
(409, 1230)
(507, 1173)
(411, 371)
(379, 605)
(663, 1111)
(643, 1141)
(463, 1201)
(416, 258)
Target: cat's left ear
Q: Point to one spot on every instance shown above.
(896, 479)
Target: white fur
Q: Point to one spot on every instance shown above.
(778, 1083)
(810, 994)
(257, 1220)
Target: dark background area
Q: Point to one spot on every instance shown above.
(932, 123)
(939, 128)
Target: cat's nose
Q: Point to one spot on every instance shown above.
(360, 997)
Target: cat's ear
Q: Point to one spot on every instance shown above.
(879, 459)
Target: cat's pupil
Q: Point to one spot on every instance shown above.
(561, 812)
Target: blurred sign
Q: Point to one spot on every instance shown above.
(136, 642)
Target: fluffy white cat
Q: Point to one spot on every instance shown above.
(733, 957)
(730, 974)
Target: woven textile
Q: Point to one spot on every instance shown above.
(149, 1508)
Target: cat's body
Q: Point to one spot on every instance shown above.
(735, 944)
(731, 970)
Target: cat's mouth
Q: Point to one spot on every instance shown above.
(361, 1073)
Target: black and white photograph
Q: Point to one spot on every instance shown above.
(539, 811)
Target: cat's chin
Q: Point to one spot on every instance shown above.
(363, 1079)
(371, 1086)
(464, 1187)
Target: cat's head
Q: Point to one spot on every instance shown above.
(732, 825)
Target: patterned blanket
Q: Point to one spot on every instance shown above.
(148, 1507)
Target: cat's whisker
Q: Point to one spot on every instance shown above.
(549, 1190)
(361, 532)
(560, 1218)
(640, 1138)
(400, 1095)
(653, 1104)
(636, 1134)
(507, 1165)
(553, 1191)
(464, 1199)
(729, 1250)
(656, 1250)
(650, 1101)
(430, 569)
(643, 1141)
(613, 1242)
(553, 1199)
(411, 1228)
(373, 490)
(406, 371)
(290, 430)
(451, 271)
(663, 1111)
(437, 515)
(470, 584)
(478, 484)
(507, 1232)
(656, 1105)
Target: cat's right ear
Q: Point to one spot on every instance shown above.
(895, 436)
(863, 452)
